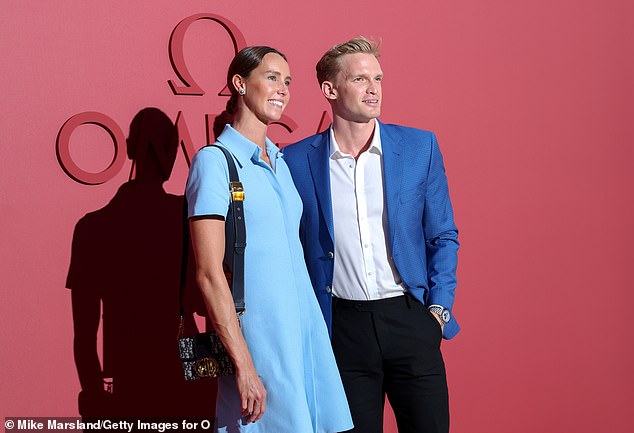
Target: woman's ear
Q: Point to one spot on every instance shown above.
(238, 84)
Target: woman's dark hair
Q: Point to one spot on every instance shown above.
(242, 64)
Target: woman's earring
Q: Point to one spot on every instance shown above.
(241, 91)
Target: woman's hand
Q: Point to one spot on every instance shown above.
(252, 393)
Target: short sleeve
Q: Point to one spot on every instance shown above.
(81, 260)
(207, 188)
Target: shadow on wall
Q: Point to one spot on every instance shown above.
(126, 260)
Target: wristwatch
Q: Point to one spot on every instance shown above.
(442, 312)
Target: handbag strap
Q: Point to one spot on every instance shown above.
(239, 231)
(235, 233)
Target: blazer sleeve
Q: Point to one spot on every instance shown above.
(441, 233)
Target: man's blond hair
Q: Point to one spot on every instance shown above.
(329, 65)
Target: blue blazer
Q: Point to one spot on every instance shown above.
(422, 233)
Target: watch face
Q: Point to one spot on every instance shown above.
(446, 315)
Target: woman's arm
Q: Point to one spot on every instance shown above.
(208, 240)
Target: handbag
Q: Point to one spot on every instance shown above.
(203, 355)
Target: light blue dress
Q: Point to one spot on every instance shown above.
(283, 325)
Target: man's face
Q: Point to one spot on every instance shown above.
(356, 90)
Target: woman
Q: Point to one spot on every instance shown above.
(286, 378)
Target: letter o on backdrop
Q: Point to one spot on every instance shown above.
(63, 148)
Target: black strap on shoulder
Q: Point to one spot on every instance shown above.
(235, 234)
(239, 232)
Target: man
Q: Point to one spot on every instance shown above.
(380, 245)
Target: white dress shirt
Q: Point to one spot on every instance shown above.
(363, 268)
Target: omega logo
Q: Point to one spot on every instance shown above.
(187, 86)
(177, 58)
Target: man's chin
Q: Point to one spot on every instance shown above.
(371, 119)
(374, 114)
(365, 119)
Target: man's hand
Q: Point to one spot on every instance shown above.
(437, 317)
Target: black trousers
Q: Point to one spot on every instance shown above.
(391, 347)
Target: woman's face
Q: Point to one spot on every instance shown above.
(266, 88)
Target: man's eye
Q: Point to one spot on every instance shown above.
(272, 77)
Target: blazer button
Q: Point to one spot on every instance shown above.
(331, 255)
(328, 289)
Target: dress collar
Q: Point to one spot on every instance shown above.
(244, 149)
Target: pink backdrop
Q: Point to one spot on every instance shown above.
(532, 104)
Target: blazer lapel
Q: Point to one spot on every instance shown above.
(319, 161)
(392, 146)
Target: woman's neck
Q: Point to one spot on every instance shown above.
(251, 128)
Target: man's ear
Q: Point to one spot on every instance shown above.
(328, 89)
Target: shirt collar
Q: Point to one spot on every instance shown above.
(244, 149)
(375, 144)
